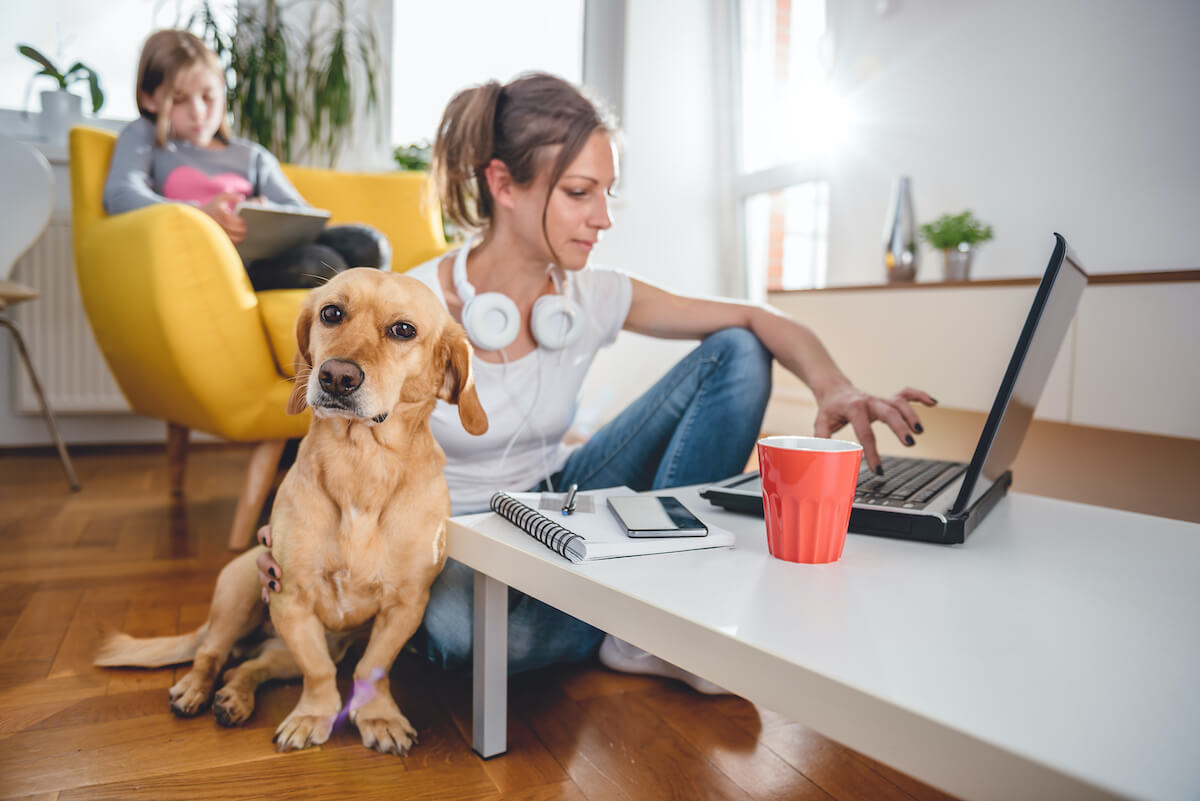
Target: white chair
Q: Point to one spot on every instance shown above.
(25, 208)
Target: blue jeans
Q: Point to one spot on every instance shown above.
(697, 424)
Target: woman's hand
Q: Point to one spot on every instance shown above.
(846, 404)
(220, 208)
(269, 574)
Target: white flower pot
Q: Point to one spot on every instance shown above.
(958, 263)
(60, 110)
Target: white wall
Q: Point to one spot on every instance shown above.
(664, 221)
(1077, 116)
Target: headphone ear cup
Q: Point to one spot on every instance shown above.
(491, 320)
(556, 322)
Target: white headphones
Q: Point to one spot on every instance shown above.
(492, 320)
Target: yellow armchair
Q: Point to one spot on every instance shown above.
(185, 335)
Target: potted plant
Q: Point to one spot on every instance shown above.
(956, 235)
(414, 156)
(288, 77)
(60, 107)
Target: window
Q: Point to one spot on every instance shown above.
(789, 122)
(105, 36)
(475, 42)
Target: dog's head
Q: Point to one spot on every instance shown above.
(370, 340)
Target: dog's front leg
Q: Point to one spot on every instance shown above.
(372, 709)
(311, 722)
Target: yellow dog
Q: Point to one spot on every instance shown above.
(358, 524)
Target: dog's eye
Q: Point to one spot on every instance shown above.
(331, 314)
(402, 330)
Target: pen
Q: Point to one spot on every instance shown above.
(569, 503)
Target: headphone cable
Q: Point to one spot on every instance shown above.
(525, 421)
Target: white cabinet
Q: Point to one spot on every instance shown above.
(1137, 358)
(1130, 360)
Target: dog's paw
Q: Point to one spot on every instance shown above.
(303, 731)
(232, 705)
(190, 695)
(388, 735)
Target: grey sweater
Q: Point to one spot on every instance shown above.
(142, 174)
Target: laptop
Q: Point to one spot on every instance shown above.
(940, 501)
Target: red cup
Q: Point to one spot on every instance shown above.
(808, 489)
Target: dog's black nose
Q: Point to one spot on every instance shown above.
(340, 377)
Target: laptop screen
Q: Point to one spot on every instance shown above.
(1027, 373)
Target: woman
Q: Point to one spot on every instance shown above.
(528, 167)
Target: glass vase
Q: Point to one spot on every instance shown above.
(900, 253)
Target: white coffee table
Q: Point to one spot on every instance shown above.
(1056, 654)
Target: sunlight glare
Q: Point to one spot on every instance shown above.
(820, 119)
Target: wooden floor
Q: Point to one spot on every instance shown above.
(120, 551)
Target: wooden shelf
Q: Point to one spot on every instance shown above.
(1158, 277)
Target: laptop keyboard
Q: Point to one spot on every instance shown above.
(906, 483)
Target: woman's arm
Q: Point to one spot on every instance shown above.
(659, 313)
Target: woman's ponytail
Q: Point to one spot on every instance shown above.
(464, 146)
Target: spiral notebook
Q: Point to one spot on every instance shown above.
(592, 532)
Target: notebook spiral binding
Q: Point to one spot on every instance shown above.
(534, 523)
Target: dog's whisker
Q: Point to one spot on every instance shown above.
(323, 279)
(299, 379)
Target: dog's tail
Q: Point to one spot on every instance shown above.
(118, 649)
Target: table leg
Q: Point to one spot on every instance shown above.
(489, 727)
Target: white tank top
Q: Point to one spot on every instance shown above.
(530, 402)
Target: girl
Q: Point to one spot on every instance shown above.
(180, 149)
(529, 166)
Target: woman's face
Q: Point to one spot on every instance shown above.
(197, 105)
(578, 204)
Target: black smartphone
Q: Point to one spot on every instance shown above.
(655, 516)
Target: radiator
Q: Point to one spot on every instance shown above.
(73, 373)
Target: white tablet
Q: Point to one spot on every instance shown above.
(270, 230)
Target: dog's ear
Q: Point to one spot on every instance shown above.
(458, 380)
(298, 400)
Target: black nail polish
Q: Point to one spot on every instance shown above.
(919, 428)
(934, 401)
(908, 440)
(272, 572)
(275, 586)
(879, 470)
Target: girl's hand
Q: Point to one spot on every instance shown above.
(220, 208)
(847, 404)
(269, 573)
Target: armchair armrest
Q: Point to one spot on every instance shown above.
(177, 321)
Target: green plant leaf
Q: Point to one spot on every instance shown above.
(81, 72)
(47, 64)
(413, 157)
(952, 230)
(95, 90)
